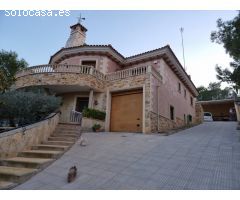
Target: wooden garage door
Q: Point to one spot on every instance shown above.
(126, 111)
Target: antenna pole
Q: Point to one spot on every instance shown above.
(80, 18)
(181, 30)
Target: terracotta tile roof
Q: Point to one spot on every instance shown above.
(110, 46)
(87, 45)
(151, 51)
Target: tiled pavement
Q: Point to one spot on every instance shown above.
(203, 157)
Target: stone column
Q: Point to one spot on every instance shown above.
(90, 102)
(108, 111)
(237, 108)
(147, 105)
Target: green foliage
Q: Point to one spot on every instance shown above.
(27, 107)
(212, 92)
(9, 65)
(96, 127)
(228, 34)
(95, 114)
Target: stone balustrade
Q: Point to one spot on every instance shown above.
(81, 69)
(136, 71)
(79, 75)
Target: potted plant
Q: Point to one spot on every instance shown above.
(96, 127)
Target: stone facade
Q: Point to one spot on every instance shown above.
(17, 140)
(151, 83)
(158, 73)
(199, 113)
(99, 101)
(60, 79)
(165, 124)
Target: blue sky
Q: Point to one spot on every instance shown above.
(130, 32)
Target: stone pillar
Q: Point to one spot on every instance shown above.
(143, 124)
(237, 108)
(108, 111)
(147, 105)
(198, 113)
(90, 102)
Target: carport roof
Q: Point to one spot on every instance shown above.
(221, 101)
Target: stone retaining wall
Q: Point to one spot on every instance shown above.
(87, 124)
(164, 123)
(12, 142)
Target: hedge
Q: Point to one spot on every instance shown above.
(93, 113)
(26, 107)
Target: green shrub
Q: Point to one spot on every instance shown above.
(95, 114)
(96, 127)
(26, 107)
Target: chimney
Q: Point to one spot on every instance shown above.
(77, 36)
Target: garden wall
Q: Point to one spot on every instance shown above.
(14, 141)
(87, 124)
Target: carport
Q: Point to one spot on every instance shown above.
(222, 110)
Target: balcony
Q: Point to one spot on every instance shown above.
(75, 76)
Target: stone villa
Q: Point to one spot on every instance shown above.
(148, 92)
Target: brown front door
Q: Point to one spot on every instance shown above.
(126, 111)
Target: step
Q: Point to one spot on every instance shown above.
(74, 136)
(63, 143)
(15, 174)
(26, 162)
(50, 147)
(69, 125)
(40, 154)
(55, 138)
(67, 131)
(5, 185)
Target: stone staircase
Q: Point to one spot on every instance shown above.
(14, 171)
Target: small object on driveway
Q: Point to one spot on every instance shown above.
(83, 141)
(72, 174)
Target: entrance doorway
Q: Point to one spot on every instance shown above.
(81, 103)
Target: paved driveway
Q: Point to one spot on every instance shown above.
(203, 157)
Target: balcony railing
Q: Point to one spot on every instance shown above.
(127, 73)
(82, 69)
